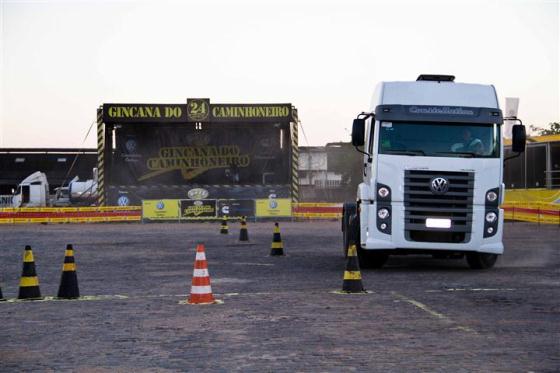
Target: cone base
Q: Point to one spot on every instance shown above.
(68, 288)
(30, 299)
(216, 301)
(201, 298)
(342, 292)
(353, 288)
(31, 293)
(277, 253)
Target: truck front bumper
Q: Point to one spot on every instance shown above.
(373, 239)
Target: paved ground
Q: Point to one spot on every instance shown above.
(278, 314)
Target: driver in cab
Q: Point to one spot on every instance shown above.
(469, 144)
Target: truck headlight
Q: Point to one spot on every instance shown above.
(491, 217)
(383, 213)
(383, 192)
(491, 196)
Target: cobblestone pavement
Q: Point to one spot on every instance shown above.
(278, 314)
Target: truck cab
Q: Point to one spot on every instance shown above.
(432, 173)
(33, 191)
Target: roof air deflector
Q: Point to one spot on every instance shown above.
(436, 78)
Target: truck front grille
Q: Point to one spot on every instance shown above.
(421, 203)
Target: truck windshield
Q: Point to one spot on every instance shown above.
(440, 139)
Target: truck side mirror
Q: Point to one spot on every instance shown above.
(358, 131)
(518, 138)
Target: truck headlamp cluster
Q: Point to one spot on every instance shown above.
(383, 208)
(491, 212)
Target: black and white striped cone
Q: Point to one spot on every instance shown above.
(352, 282)
(69, 280)
(277, 247)
(224, 229)
(243, 233)
(29, 282)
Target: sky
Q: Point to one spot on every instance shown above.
(60, 60)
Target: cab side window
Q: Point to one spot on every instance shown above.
(371, 135)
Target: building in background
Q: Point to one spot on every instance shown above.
(329, 173)
(538, 167)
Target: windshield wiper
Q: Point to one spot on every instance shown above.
(466, 154)
(405, 152)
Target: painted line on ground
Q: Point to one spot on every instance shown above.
(470, 289)
(440, 316)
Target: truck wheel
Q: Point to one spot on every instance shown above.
(481, 260)
(370, 259)
(348, 210)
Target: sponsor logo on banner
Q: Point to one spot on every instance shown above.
(198, 208)
(236, 207)
(198, 109)
(123, 200)
(273, 207)
(197, 193)
(131, 146)
(163, 209)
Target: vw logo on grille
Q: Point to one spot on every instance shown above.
(439, 185)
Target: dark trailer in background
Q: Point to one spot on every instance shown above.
(196, 150)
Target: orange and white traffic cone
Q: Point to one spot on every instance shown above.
(201, 291)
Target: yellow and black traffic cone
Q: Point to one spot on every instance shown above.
(243, 233)
(29, 283)
(224, 227)
(277, 248)
(68, 288)
(352, 282)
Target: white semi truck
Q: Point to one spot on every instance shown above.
(33, 191)
(432, 173)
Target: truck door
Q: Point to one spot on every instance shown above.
(25, 194)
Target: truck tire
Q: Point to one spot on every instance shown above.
(349, 209)
(481, 260)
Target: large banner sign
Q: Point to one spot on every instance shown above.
(196, 110)
(214, 155)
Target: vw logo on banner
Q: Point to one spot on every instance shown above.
(123, 201)
(439, 185)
